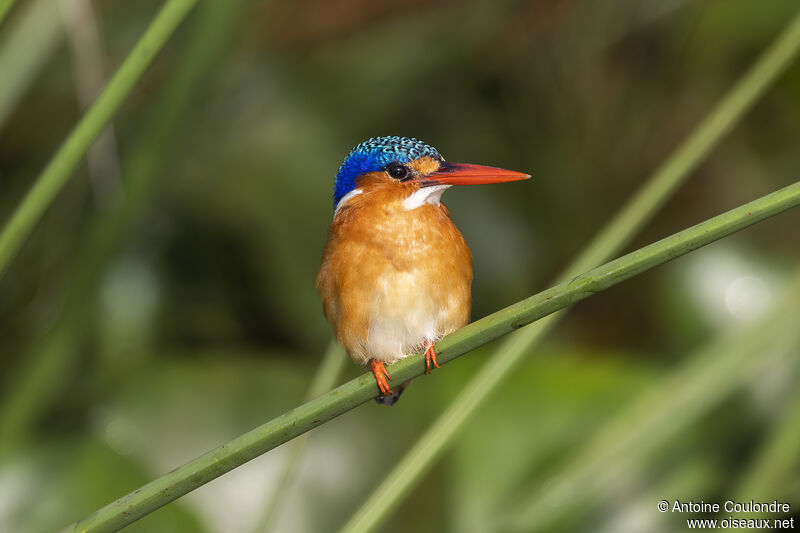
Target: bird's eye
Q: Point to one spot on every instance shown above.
(397, 171)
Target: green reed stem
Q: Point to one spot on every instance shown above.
(64, 162)
(5, 7)
(637, 212)
(225, 458)
(45, 366)
(324, 380)
(692, 389)
(25, 49)
(771, 473)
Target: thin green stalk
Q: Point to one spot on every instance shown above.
(61, 166)
(777, 462)
(684, 396)
(324, 380)
(45, 366)
(639, 210)
(5, 7)
(361, 389)
(26, 48)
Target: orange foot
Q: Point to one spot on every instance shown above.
(430, 356)
(381, 376)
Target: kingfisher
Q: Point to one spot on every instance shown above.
(396, 273)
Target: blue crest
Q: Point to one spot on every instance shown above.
(374, 155)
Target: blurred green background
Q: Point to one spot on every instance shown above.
(166, 302)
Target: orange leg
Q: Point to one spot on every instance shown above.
(381, 376)
(430, 356)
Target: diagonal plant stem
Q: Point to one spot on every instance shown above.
(5, 7)
(63, 163)
(778, 459)
(609, 241)
(220, 460)
(88, 65)
(45, 365)
(691, 390)
(25, 49)
(324, 380)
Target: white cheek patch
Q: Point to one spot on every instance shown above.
(345, 199)
(424, 195)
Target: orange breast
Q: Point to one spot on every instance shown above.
(391, 277)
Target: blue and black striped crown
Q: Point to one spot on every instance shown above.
(373, 155)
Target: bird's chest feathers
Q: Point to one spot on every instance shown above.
(402, 275)
(415, 234)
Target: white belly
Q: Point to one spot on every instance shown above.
(404, 315)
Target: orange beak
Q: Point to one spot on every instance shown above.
(465, 174)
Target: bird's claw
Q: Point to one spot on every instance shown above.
(381, 377)
(430, 356)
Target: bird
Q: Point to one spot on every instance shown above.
(396, 273)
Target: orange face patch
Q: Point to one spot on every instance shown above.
(386, 190)
(424, 165)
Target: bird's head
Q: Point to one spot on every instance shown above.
(412, 165)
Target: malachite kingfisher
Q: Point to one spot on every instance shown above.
(396, 273)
